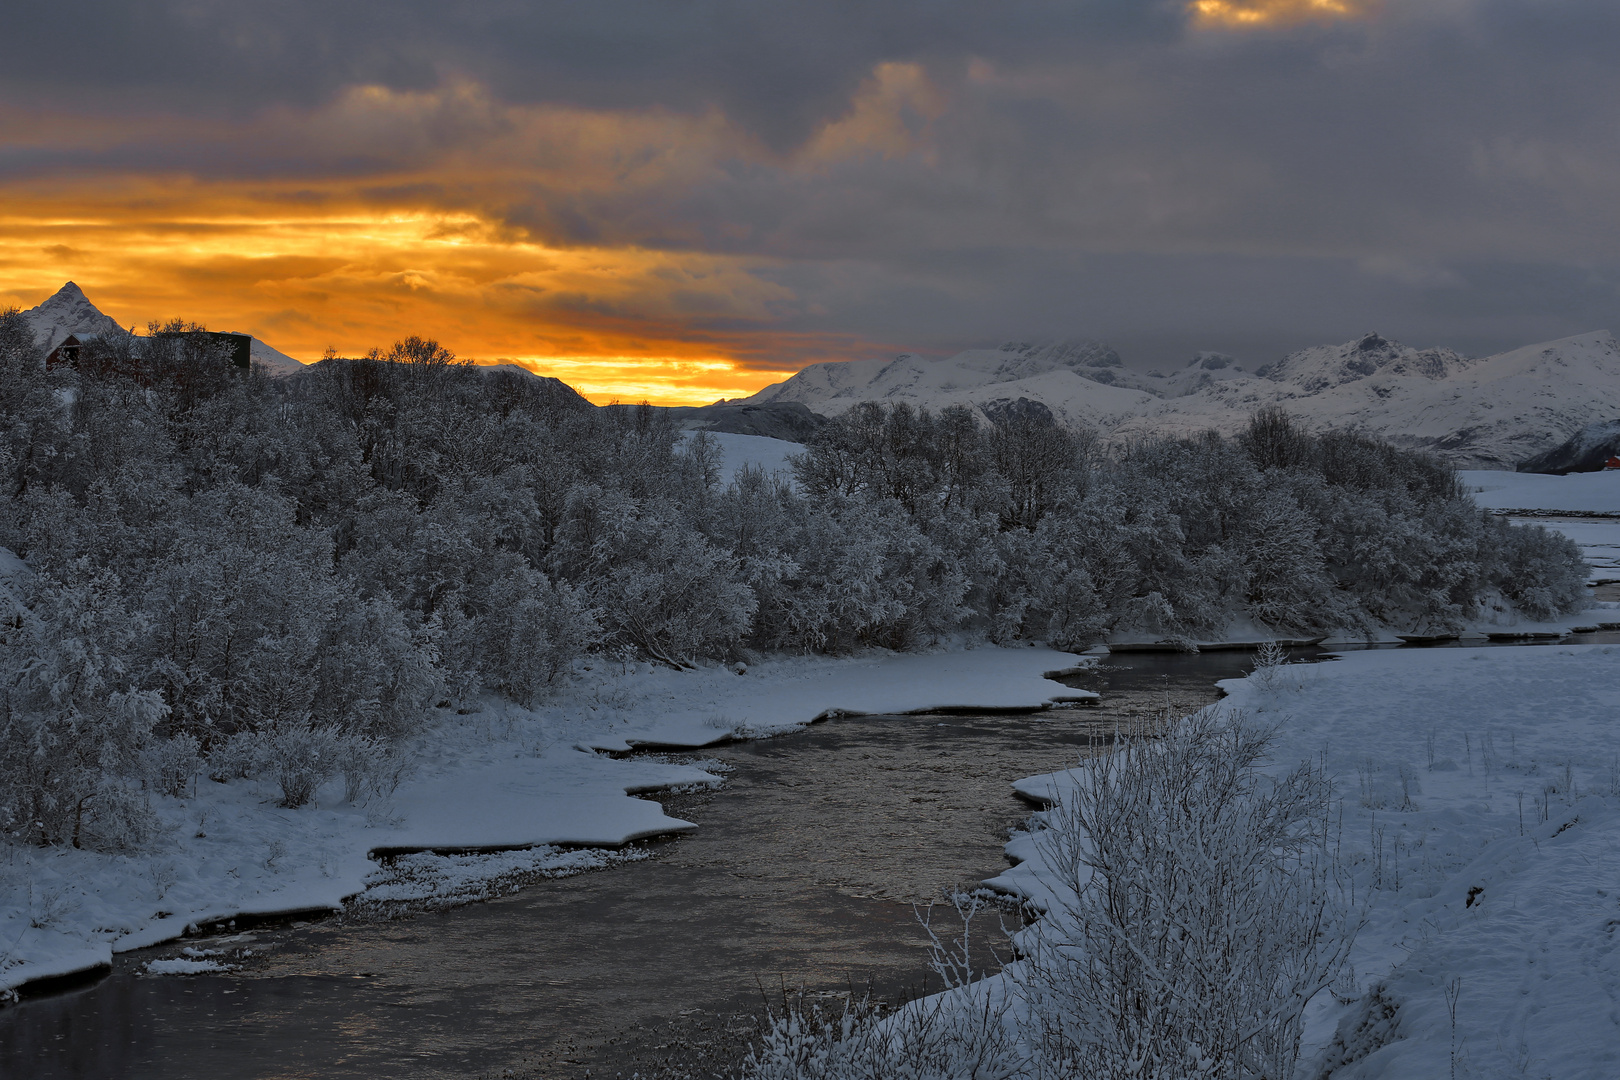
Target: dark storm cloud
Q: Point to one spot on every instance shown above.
(778, 67)
(1440, 169)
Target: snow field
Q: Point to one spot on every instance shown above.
(1583, 493)
(1478, 815)
(737, 451)
(501, 778)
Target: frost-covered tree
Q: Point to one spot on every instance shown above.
(73, 728)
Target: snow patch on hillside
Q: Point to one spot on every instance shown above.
(738, 451)
(273, 360)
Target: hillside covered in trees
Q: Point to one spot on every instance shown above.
(229, 574)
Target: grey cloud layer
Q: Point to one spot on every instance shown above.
(1093, 167)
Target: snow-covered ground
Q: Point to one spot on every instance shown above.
(1575, 494)
(504, 777)
(739, 450)
(1481, 808)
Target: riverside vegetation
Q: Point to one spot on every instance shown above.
(229, 574)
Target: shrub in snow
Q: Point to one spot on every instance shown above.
(301, 757)
(533, 632)
(661, 584)
(375, 676)
(1203, 910)
(234, 758)
(370, 766)
(1541, 571)
(171, 764)
(238, 602)
(926, 1040)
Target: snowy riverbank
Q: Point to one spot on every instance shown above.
(503, 777)
(1480, 791)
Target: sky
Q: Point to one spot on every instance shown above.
(681, 200)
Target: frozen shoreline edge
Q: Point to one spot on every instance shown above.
(72, 967)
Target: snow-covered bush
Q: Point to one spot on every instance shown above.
(925, 1040)
(533, 631)
(1541, 571)
(1202, 911)
(302, 757)
(172, 764)
(679, 598)
(375, 675)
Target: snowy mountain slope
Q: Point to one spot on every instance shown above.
(68, 312)
(1491, 412)
(274, 361)
(1588, 450)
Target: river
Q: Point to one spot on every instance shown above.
(802, 879)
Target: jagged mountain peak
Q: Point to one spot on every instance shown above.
(68, 311)
(1323, 366)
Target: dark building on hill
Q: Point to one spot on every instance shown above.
(238, 348)
(67, 351)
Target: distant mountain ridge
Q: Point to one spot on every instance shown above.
(1491, 412)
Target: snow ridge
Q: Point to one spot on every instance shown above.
(1490, 412)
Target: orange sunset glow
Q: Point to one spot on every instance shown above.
(422, 241)
(614, 323)
(1240, 14)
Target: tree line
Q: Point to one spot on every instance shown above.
(231, 574)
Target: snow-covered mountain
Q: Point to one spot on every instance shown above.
(71, 312)
(68, 312)
(1491, 412)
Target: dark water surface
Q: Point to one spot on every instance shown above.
(803, 876)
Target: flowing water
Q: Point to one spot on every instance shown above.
(803, 878)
